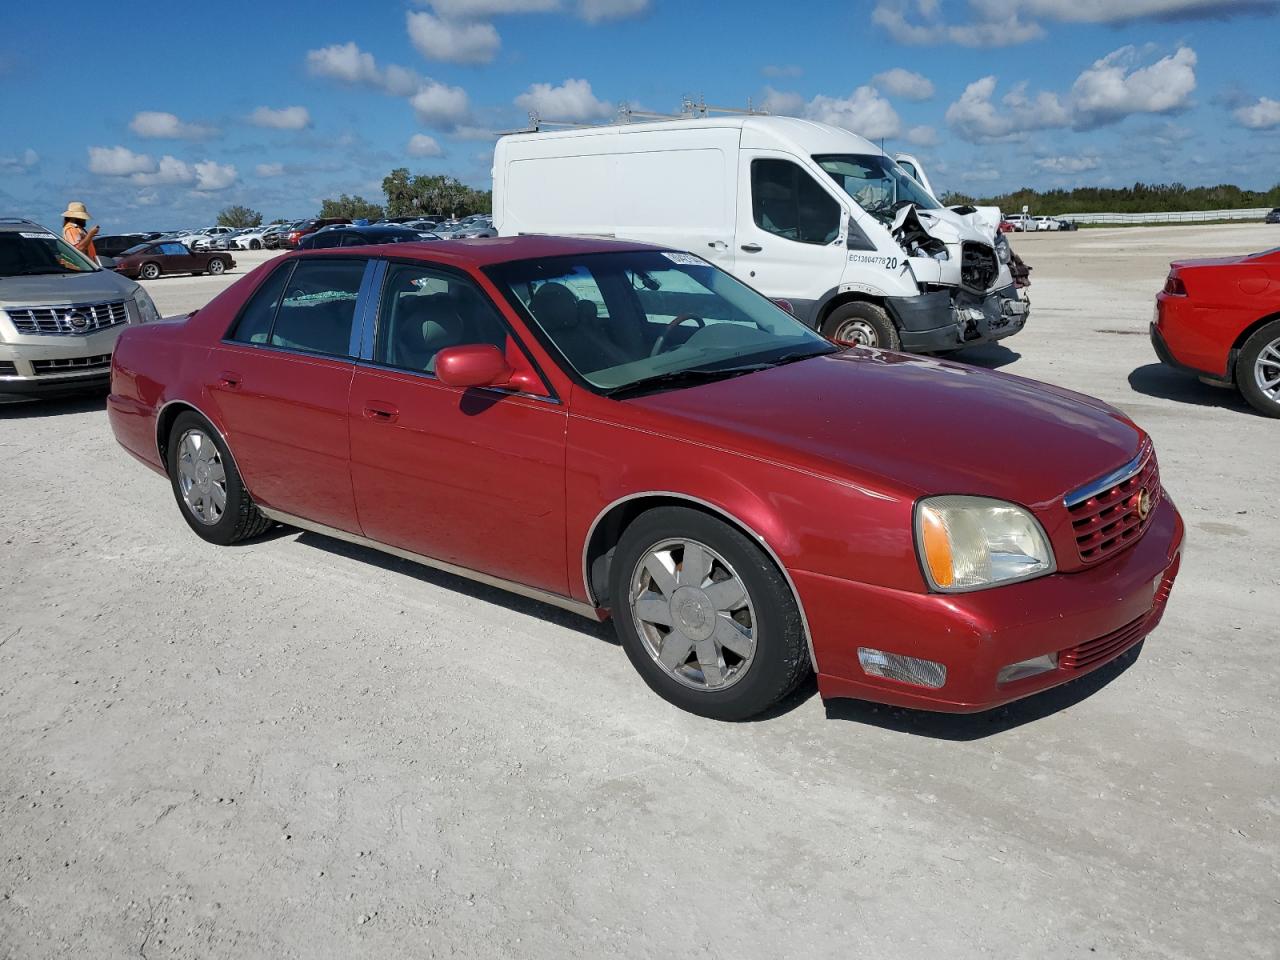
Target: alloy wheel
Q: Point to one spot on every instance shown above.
(215, 267)
(693, 613)
(1266, 370)
(150, 271)
(201, 477)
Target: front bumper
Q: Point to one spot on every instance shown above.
(44, 365)
(948, 320)
(1092, 615)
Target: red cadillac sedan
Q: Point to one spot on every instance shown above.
(1220, 319)
(628, 431)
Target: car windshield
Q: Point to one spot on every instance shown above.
(630, 322)
(879, 185)
(28, 253)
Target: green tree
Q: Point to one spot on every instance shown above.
(423, 195)
(238, 216)
(353, 208)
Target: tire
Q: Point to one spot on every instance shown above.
(764, 655)
(149, 271)
(1258, 369)
(862, 324)
(216, 266)
(236, 518)
(255, 244)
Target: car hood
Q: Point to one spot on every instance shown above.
(909, 425)
(65, 288)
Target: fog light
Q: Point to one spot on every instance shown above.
(895, 666)
(1027, 668)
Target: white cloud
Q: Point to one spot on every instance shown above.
(452, 41)
(19, 163)
(269, 169)
(595, 11)
(212, 176)
(346, 63)
(864, 112)
(922, 136)
(168, 172)
(439, 105)
(572, 100)
(420, 145)
(782, 102)
(1108, 91)
(158, 125)
(1001, 23)
(904, 83)
(1069, 164)
(1262, 115)
(118, 161)
(285, 118)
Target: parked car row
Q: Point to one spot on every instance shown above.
(1024, 223)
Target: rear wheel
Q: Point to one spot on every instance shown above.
(216, 266)
(861, 324)
(1258, 369)
(207, 484)
(704, 615)
(149, 271)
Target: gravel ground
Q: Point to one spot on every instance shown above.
(301, 749)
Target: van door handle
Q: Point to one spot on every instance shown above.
(752, 247)
(229, 380)
(718, 245)
(381, 412)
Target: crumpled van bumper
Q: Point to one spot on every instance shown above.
(950, 319)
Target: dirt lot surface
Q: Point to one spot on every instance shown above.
(300, 749)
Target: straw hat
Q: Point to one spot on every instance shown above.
(76, 211)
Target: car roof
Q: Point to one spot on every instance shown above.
(486, 251)
(19, 225)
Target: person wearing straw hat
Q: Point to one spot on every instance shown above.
(74, 219)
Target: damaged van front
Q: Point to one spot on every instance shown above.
(951, 286)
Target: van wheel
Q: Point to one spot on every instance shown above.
(704, 616)
(860, 324)
(1258, 369)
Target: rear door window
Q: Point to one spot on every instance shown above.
(319, 307)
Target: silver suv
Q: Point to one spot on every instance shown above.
(60, 313)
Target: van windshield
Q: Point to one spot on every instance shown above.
(640, 321)
(29, 253)
(879, 185)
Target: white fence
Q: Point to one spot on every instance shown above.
(1184, 216)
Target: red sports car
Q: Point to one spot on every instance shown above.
(1220, 319)
(626, 430)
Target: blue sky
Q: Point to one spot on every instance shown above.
(160, 114)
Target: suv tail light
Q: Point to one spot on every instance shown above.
(1174, 286)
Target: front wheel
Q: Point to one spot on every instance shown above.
(255, 245)
(1258, 369)
(207, 484)
(150, 271)
(705, 617)
(216, 266)
(861, 324)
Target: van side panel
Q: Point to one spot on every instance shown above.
(676, 188)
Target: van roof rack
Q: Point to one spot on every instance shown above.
(690, 109)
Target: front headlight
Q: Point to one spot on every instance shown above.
(968, 543)
(1003, 250)
(147, 311)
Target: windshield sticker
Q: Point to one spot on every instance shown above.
(38, 236)
(688, 259)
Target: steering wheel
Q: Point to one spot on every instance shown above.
(660, 344)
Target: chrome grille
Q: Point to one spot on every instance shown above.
(72, 320)
(1105, 516)
(71, 364)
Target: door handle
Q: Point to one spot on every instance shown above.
(752, 247)
(229, 380)
(718, 245)
(381, 412)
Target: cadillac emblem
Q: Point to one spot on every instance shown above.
(79, 322)
(1143, 504)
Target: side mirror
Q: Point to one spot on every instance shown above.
(473, 365)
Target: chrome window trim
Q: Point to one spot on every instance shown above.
(764, 544)
(374, 365)
(511, 586)
(1119, 475)
(367, 301)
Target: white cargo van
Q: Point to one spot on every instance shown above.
(804, 212)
